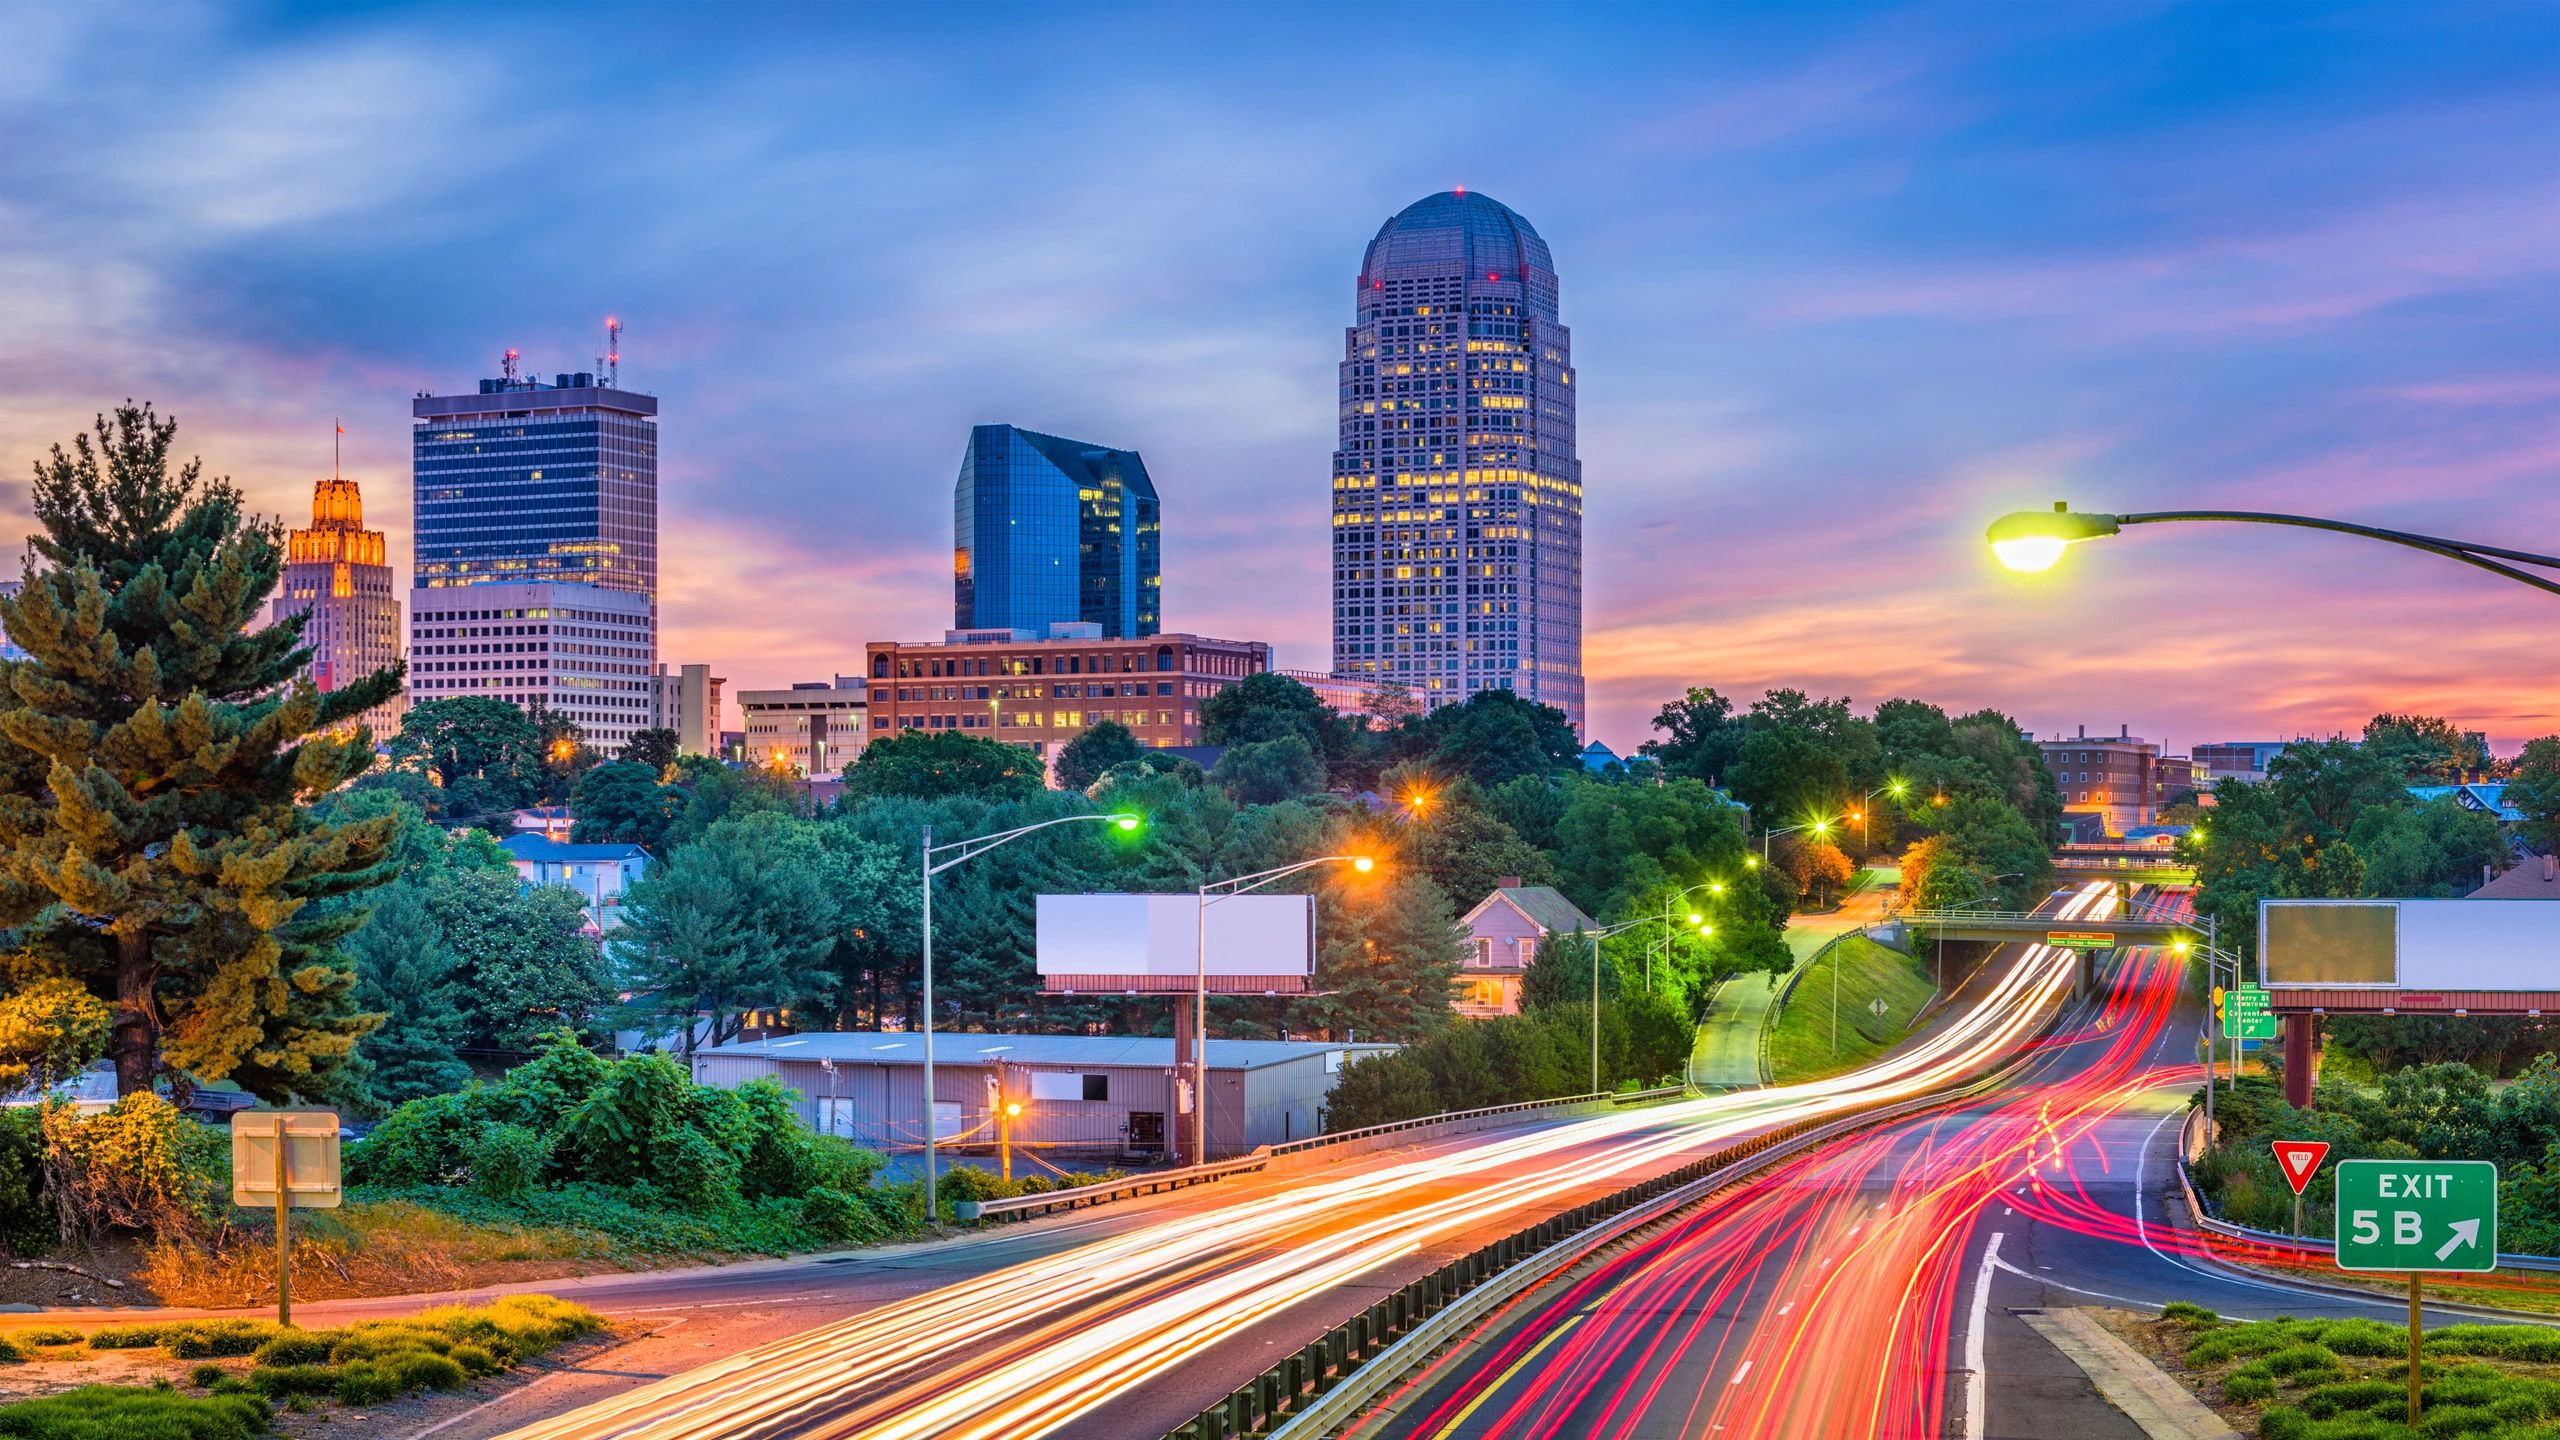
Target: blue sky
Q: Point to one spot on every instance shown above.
(1844, 282)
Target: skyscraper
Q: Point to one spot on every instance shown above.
(537, 549)
(338, 574)
(1457, 499)
(1050, 531)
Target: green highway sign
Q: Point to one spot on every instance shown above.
(2417, 1215)
(2245, 1015)
(2079, 940)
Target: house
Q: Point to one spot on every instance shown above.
(2537, 878)
(1504, 932)
(1106, 1095)
(2490, 799)
(599, 873)
(1597, 758)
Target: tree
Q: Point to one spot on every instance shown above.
(523, 962)
(51, 1027)
(729, 923)
(715, 791)
(621, 802)
(1494, 737)
(1802, 758)
(405, 972)
(1467, 849)
(1702, 736)
(1387, 955)
(482, 754)
(924, 764)
(1262, 772)
(153, 757)
(1263, 707)
(1616, 841)
(2535, 790)
(2426, 749)
(1083, 760)
(654, 747)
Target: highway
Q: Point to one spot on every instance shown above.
(1867, 1290)
(1130, 1332)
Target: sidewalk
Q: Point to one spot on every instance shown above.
(1728, 1045)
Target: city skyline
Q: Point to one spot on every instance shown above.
(1862, 298)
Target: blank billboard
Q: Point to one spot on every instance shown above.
(2418, 945)
(1159, 935)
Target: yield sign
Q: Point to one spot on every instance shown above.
(2298, 1159)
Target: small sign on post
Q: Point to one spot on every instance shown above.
(2246, 1015)
(2299, 1160)
(287, 1159)
(2417, 1215)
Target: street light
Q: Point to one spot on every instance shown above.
(962, 851)
(2033, 540)
(1211, 892)
(1593, 938)
(1818, 827)
(1895, 787)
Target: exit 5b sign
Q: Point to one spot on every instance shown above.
(2417, 1215)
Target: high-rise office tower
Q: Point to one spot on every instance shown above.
(1457, 499)
(537, 549)
(337, 574)
(1049, 531)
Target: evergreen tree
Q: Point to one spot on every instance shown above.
(480, 753)
(525, 965)
(654, 747)
(404, 971)
(621, 802)
(154, 755)
(730, 923)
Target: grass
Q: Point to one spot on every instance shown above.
(361, 1364)
(1800, 1039)
(2348, 1379)
(135, 1412)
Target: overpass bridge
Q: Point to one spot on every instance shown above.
(2086, 938)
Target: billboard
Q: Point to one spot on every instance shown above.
(2424, 945)
(1148, 941)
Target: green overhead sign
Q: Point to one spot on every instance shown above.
(2246, 1016)
(2417, 1215)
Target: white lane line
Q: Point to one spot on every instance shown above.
(2081, 1289)
(1739, 1372)
(1973, 1386)
(2142, 1227)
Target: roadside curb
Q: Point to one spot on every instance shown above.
(2147, 1394)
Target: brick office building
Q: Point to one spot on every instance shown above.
(1045, 690)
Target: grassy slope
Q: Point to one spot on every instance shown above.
(1800, 1044)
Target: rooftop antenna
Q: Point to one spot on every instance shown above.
(612, 353)
(507, 367)
(334, 443)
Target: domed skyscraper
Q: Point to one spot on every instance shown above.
(1457, 499)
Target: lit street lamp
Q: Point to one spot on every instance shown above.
(1593, 938)
(1859, 813)
(2033, 540)
(962, 851)
(1210, 894)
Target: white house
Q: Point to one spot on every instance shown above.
(599, 873)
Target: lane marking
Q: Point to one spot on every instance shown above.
(1514, 1368)
(1738, 1374)
(1973, 1384)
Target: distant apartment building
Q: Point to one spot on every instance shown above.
(815, 727)
(687, 701)
(547, 492)
(1043, 690)
(337, 575)
(580, 650)
(2173, 776)
(1047, 530)
(1341, 694)
(2242, 760)
(2114, 777)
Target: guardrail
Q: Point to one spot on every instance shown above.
(2207, 1221)
(1155, 1182)
(1325, 1383)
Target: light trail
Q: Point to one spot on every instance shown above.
(1019, 1351)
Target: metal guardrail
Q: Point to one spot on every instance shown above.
(1260, 1157)
(1326, 1382)
(2206, 1220)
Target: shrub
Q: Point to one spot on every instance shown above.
(2248, 1385)
(515, 1327)
(232, 1385)
(10, 1354)
(426, 1370)
(138, 1165)
(2244, 1340)
(2328, 1400)
(2364, 1337)
(475, 1360)
(205, 1377)
(126, 1337)
(2279, 1422)
(2457, 1420)
(509, 1160)
(296, 1347)
(201, 1339)
(424, 1142)
(364, 1383)
(2294, 1359)
(841, 1218)
(129, 1412)
(47, 1335)
(2179, 1312)
(28, 1225)
(278, 1382)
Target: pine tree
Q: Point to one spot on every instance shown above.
(404, 971)
(155, 758)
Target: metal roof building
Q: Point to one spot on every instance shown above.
(1082, 1094)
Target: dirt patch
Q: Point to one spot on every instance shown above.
(45, 1284)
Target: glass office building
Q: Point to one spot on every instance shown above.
(529, 481)
(1047, 530)
(1457, 497)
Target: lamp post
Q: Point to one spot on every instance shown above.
(1593, 938)
(1210, 894)
(1698, 920)
(931, 864)
(1860, 813)
(2034, 540)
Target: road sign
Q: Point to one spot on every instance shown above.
(2417, 1215)
(2079, 940)
(310, 1153)
(2298, 1159)
(1877, 1007)
(2246, 1014)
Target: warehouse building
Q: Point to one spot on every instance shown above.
(1081, 1095)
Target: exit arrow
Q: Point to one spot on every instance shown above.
(2465, 1232)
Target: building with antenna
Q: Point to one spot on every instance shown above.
(543, 494)
(337, 574)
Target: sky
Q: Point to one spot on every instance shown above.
(1845, 283)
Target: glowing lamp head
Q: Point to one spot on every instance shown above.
(1750, 862)
(1697, 919)
(1821, 827)
(2033, 540)
(2179, 945)
(1715, 887)
(1706, 929)
(1013, 1107)
(1125, 822)
(1857, 814)
(1897, 787)
(1363, 864)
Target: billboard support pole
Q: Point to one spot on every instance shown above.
(1225, 890)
